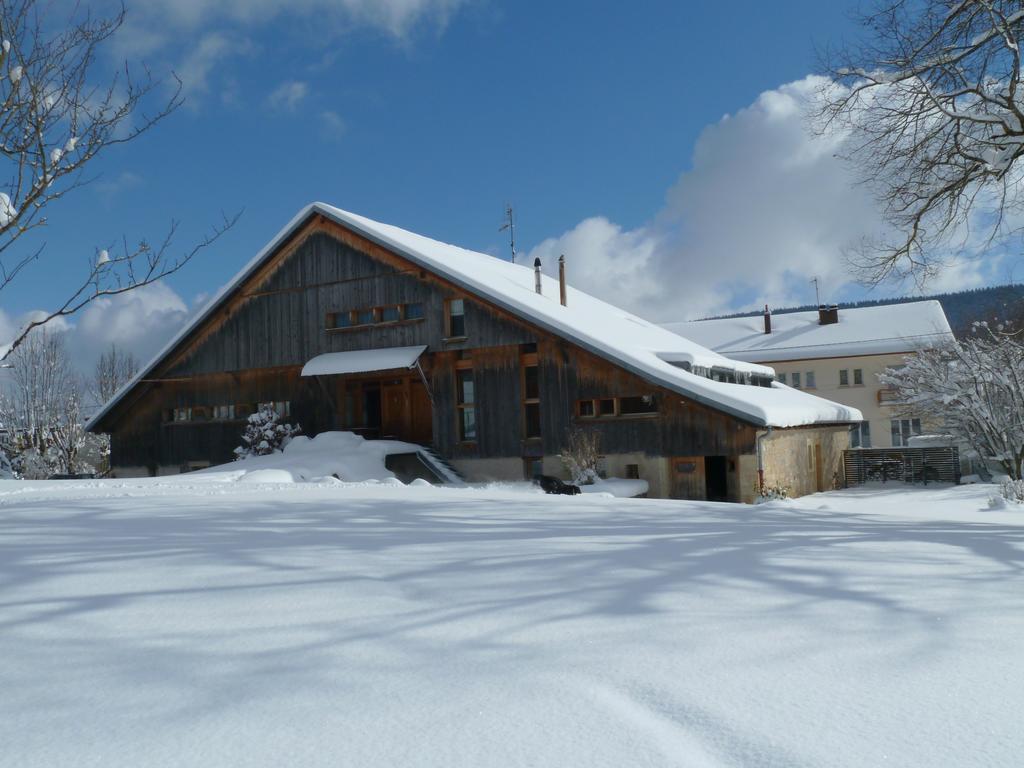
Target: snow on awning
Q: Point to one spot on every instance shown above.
(363, 361)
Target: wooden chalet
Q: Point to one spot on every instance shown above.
(343, 323)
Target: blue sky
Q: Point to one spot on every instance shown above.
(655, 144)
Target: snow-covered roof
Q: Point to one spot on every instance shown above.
(648, 350)
(890, 329)
(363, 361)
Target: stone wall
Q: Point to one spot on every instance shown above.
(791, 458)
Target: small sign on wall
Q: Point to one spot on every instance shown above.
(686, 467)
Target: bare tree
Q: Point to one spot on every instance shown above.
(935, 117)
(975, 388)
(58, 114)
(114, 369)
(42, 406)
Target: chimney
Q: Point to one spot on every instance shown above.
(536, 274)
(828, 314)
(767, 319)
(561, 278)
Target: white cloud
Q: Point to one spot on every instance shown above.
(288, 95)
(394, 17)
(122, 182)
(205, 57)
(764, 208)
(199, 38)
(332, 124)
(139, 321)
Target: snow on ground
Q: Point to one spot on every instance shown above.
(196, 621)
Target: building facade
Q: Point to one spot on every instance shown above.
(838, 354)
(342, 323)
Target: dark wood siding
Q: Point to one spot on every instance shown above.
(680, 428)
(282, 322)
(253, 347)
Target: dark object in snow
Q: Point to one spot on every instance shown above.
(551, 484)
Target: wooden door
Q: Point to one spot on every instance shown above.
(688, 477)
(394, 411)
(819, 470)
(421, 415)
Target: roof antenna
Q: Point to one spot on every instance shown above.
(510, 225)
(817, 293)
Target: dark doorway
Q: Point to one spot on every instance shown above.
(716, 478)
(371, 409)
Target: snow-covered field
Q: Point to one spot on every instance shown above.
(211, 623)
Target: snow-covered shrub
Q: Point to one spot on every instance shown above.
(974, 388)
(264, 434)
(1012, 490)
(7, 471)
(772, 493)
(581, 455)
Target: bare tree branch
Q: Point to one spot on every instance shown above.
(935, 119)
(59, 113)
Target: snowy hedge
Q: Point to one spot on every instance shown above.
(265, 434)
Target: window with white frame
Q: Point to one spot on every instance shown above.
(860, 435)
(809, 382)
(903, 430)
(844, 377)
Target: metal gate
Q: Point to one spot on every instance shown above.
(902, 465)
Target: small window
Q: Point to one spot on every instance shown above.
(903, 430)
(633, 471)
(412, 311)
(860, 435)
(465, 398)
(531, 383)
(796, 379)
(390, 314)
(223, 411)
(456, 319)
(809, 380)
(858, 377)
(606, 407)
(844, 378)
(365, 317)
(467, 424)
(781, 377)
(531, 414)
(631, 406)
(282, 408)
(465, 392)
(339, 320)
(181, 414)
(585, 408)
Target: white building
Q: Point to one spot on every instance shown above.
(837, 354)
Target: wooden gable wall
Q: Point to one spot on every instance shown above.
(252, 349)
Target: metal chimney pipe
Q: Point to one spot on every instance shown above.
(561, 278)
(536, 274)
(767, 319)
